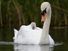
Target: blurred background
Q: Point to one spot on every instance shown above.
(15, 13)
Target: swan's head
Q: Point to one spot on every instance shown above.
(45, 10)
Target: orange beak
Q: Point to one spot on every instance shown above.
(43, 17)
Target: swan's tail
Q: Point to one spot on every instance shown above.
(15, 33)
(33, 25)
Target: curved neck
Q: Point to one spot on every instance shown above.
(45, 30)
(46, 24)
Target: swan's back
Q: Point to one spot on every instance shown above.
(29, 34)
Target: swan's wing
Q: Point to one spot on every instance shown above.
(38, 28)
(15, 33)
(22, 30)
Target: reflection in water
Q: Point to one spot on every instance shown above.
(11, 46)
(19, 47)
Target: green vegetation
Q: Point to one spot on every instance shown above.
(14, 13)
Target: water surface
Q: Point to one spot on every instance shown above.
(10, 46)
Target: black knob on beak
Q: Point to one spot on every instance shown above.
(43, 12)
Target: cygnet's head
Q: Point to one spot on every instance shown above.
(45, 8)
(33, 25)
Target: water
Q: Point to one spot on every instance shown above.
(10, 46)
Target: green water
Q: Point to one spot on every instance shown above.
(6, 48)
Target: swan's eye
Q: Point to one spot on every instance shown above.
(43, 12)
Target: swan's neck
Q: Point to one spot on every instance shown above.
(45, 31)
(46, 24)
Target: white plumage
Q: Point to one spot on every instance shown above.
(32, 34)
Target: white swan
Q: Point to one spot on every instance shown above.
(28, 34)
(36, 35)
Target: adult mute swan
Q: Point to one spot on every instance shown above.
(32, 34)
